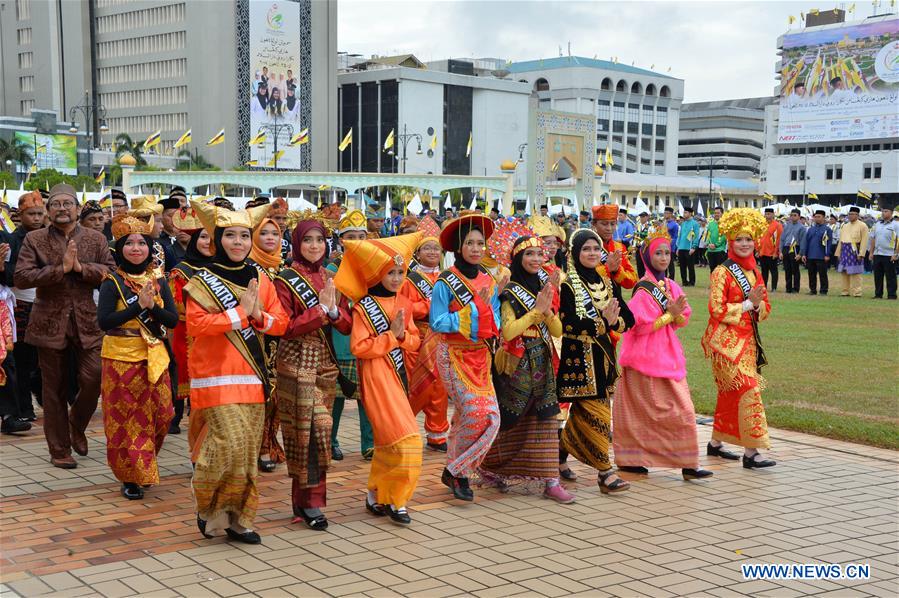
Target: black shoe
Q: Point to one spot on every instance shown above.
(318, 523)
(201, 525)
(376, 509)
(14, 425)
(336, 453)
(823, 292)
(633, 469)
(440, 446)
(568, 474)
(29, 417)
(813, 293)
(751, 463)
(446, 478)
(696, 474)
(401, 517)
(132, 491)
(720, 451)
(266, 466)
(174, 428)
(368, 454)
(877, 297)
(461, 489)
(891, 298)
(250, 537)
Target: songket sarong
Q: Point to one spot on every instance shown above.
(225, 454)
(529, 452)
(739, 413)
(395, 470)
(426, 389)
(465, 369)
(136, 417)
(307, 384)
(850, 261)
(655, 424)
(586, 435)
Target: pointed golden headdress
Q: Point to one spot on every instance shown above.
(128, 224)
(145, 205)
(213, 217)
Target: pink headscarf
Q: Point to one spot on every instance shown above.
(646, 256)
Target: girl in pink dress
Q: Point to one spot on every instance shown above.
(652, 414)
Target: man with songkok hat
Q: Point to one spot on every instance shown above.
(169, 234)
(383, 339)
(687, 244)
(769, 249)
(614, 263)
(145, 207)
(375, 225)
(625, 230)
(815, 251)
(65, 262)
(91, 216)
(884, 249)
(673, 230)
(790, 244)
(31, 217)
(851, 250)
(352, 227)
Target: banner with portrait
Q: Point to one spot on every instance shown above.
(59, 152)
(274, 94)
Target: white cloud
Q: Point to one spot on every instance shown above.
(721, 49)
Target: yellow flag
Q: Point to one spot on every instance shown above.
(219, 138)
(300, 138)
(813, 196)
(791, 19)
(275, 157)
(610, 161)
(347, 140)
(183, 140)
(434, 142)
(388, 143)
(42, 148)
(101, 176)
(851, 7)
(468, 147)
(153, 140)
(251, 163)
(814, 12)
(258, 139)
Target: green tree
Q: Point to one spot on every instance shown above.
(8, 180)
(124, 144)
(16, 151)
(48, 177)
(194, 161)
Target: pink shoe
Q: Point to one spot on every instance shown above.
(559, 494)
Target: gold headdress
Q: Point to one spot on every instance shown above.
(128, 224)
(742, 220)
(295, 216)
(213, 217)
(354, 220)
(145, 205)
(659, 231)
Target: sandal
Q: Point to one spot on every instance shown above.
(318, 523)
(567, 474)
(618, 485)
(266, 465)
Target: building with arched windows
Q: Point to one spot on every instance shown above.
(637, 110)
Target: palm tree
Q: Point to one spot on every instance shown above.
(16, 151)
(195, 160)
(124, 144)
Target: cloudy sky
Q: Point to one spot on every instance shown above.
(722, 50)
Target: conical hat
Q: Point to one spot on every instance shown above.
(365, 263)
(213, 217)
(145, 205)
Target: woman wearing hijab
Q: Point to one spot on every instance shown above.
(527, 445)
(265, 256)
(198, 255)
(230, 308)
(465, 312)
(134, 310)
(275, 103)
(591, 309)
(307, 368)
(655, 425)
(738, 301)
(384, 335)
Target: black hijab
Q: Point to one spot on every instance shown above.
(239, 273)
(529, 281)
(262, 98)
(467, 269)
(192, 255)
(588, 275)
(379, 290)
(126, 266)
(291, 101)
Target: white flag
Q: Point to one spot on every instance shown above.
(448, 204)
(699, 208)
(680, 208)
(474, 203)
(415, 206)
(387, 207)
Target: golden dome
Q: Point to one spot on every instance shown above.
(127, 160)
(507, 166)
(597, 170)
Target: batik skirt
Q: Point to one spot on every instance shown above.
(136, 417)
(587, 434)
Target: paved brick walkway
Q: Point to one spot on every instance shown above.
(70, 533)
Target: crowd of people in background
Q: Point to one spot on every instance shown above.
(260, 324)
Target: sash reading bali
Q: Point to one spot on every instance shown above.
(740, 277)
(308, 297)
(246, 340)
(379, 322)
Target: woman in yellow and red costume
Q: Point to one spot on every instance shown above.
(614, 264)
(738, 301)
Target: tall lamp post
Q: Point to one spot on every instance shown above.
(404, 138)
(275, 129)
(712, 163)
(94, 122)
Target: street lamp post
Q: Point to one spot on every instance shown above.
(275, 129)
(404, 138)
(712, 163)
(94, 118)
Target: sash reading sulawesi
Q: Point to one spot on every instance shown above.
(421, 284)
(377, 319)
(740, 277)
(654, 291)
(144, 318)
(246, 340)
(528, 301)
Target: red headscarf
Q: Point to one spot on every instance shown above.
(299, 231)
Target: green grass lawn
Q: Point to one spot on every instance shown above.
(833, 362)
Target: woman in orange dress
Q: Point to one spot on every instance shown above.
(738, 301)
(383, 336)
(198, 255)
(230, 307)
